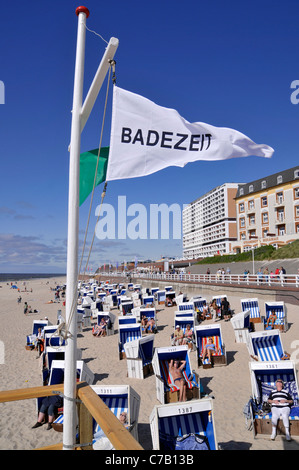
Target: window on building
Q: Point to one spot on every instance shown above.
(279, 179)
(252, 220)
(296, 174)
(265, 217)
(241, 191)
(264, 184)
(264, 201)
(251, 188)
(241, 207)
(296, 193)
(297, 212)
(279, 197)
(281, 230)
(242, 222)
(280, 215)
(251, 204)
(265, 232)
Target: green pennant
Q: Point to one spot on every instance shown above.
(88, 164)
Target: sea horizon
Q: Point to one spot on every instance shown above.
(6, 277)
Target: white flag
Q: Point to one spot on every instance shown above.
(146, 138)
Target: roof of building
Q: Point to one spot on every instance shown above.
(287, 176)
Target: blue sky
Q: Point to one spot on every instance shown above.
(229, 64)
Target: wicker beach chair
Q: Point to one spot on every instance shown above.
(167, 390)
(139, 354)
(202, 334)
(263, 376)
(175, 426)
(127, 332)
(266, 345)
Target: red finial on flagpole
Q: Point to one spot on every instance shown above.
(82, 10)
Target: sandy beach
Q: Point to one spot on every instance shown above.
(230, 385)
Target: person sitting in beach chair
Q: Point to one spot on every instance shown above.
(209, 349)
(169, 302)
(280, 401)
(189, 335)
(150, 326)
(271, 320)
(178, 336)
(144, 322)
(49, 407)
(176, 368)
(100, 329)
(39, 342)
(205, 312)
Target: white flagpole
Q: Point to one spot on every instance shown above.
(69, 407)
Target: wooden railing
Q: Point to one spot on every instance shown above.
(91, 406)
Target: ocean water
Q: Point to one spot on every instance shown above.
(12, 277)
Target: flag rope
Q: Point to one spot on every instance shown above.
(97, 34)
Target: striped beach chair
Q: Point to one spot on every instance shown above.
(148, 300)
(266, 345)
(174, 425)
(180, 298)
(154, 290)
(126, 307)
(198, 304)
(149, 313)
(126, 319)
(161, 296)
(30, 339)
(186, 306)
(119, 399)
(202, 334)
(280, 311)
(127, 332)
(167, 390)
(242, 326)
(182, 322)
(253, 306)
(84, 374)
(263, 377)
(57, 377)
(139, 354)
(110, 318)
(170, 298)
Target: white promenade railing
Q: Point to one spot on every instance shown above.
(284, 280)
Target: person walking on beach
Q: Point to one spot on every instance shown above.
(25, 308)
(225, 310)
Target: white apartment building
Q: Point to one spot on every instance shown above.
(209, 223)
(268, 211)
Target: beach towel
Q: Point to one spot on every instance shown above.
(169, 383)
(216, 341)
